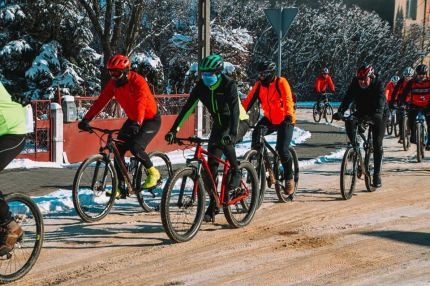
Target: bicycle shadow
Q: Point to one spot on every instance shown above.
(317, 195)
(410, 237)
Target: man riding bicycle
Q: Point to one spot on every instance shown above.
(418, 90)
(367, 92)
(218, 93)
(275, 96)
(132, 93)
(12, 141)
(389, 88)
(323, 81)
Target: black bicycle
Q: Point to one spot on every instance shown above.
(269, 169)
(19, 261)
(323, 109)
(96, 180)
(353, 165)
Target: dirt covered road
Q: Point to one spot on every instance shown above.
(380, 238)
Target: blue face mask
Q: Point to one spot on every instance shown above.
(209, 80)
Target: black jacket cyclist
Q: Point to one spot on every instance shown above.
(218, 93)
(367, 92)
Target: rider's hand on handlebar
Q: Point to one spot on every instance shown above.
(84, 125)
(170, 137)
(228, 140)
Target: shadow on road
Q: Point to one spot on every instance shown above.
(411, 237)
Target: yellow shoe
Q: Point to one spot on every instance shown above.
(152, 178)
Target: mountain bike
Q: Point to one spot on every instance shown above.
(19, 261)
(353, 164)
(323, 109)
(268, 166)
(96, 180)
(421, 134)
(183, 200)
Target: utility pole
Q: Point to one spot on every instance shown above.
(424, 30)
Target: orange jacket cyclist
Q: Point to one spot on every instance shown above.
(323, 81)
(419, 91)
(132, 92)
(277, 102)
(389, 88)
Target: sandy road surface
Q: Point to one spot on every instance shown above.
(380, 238)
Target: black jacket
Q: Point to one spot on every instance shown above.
(369, 102)
(222, 103)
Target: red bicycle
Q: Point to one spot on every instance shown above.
(183, 199)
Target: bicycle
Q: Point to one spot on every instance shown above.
(421, 135)
(392, 124)
(353, 165)
(183, 200)
(19, 261)
(268, 166)
(97, 174)
(324, 109)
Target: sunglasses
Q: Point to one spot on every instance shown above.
(362, 78)
(115, 73)
(208, 73)
(264, 74)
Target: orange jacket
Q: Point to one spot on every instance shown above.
(389, 88)
(135, 98)
(321, 83)
(275, 106)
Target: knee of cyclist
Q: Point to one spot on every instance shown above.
(135, 149)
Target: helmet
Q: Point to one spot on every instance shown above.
(365, 71)
(422, 69)
(325, 71)
(212, 63)
(118, 62)
(266, 67)
(408, 72)
(395, 79)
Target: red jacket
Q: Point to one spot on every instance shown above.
(321, 83)
(275, 106)
(135, 98)
(389, 88)
(398, 90)
(419, 92)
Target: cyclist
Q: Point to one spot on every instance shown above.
(12, 141)
(418, 90)
(218, 93)
(276, 98)
(133, 94)
(389, 88)
(367, 92)
(320, 86)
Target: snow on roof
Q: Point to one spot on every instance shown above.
(17, 47)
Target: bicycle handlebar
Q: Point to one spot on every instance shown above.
(105, 131)
(191, 139)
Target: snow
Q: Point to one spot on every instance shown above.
(150, 59)
(238, 38)
(181, 41)
(47, 59)
(29, 164)
(68, 79)
(17, 47)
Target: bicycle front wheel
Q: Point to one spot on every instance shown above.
(348, 173)
(328, 113)
(150, 200)
(280, 177)
(420, 142)
(369, 165)
(252, 157)
(240, 211)
(23, 256)
(316, 113)
(405, 136)
(94, 188)
(182, 205)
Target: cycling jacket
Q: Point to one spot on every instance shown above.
(12, 115)
(419, 92)
(389, 88)
(221, 100)
(135, 98)
(398, 90)
(322, 82)
(276, 101)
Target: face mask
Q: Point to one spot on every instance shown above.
(209, 80)
(121, 81)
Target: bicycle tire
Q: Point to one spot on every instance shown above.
(316, 114)
(389, 127)
(405, 138)
(81, 196)
(328, 113)
(251, 156)
(189, 202)
(349, 158)
(23, 219)
(369, 169)
(419, 144)
(162, 163)
(396, 128)
(280, 189)
(248, 206)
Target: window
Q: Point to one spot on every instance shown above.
(411, 9)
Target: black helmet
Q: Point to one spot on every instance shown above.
(266, 67)
(422, 69)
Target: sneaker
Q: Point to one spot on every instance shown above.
(289, 187)
(377, 183)
(120, 193)
(236, 175)
(152, 178)
(413, 140)
(400, 141)
(9, 235)
(210, 213)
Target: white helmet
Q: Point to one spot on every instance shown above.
(395, 79)
(408, 72)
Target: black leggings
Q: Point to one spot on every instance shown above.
(10, 146)
(138, 143)
(378, 132)
(285, 135)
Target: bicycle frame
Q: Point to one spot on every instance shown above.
(366, 145)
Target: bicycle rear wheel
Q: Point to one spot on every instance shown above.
(405, 133)
(22, 258)
(280, 177)
(239, 213)
(252, 157)
(390, 127)
(182, 209)
(316, 113)
(348, 173)
(94, 177)
(396, 126)
(150, 200)
(369, 167)
(328, 113)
